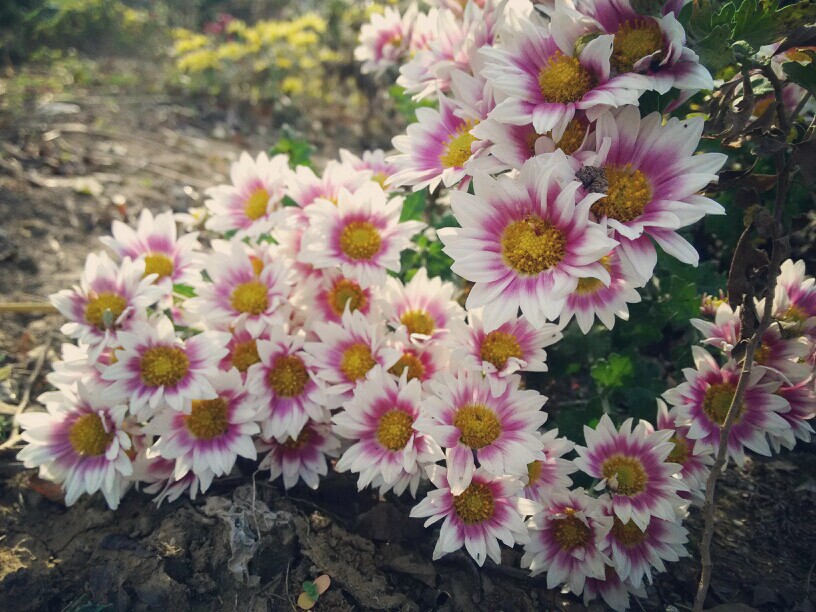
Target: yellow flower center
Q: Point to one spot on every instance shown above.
(475, 504)
(356, 361)
(395, 429)
(629, 473)
(795, 314)
(457, 151)
(412, 362)
(592, 285)
(762, 354)
(534, 472)
(478, 424)
(717, 401)
(635, 40)
(379, 178)
(498, 347)
(208, 418)
(156, 263)
(104, 302)
(418, 322)
(573, 137)
(681, 451)
(345, 292)
(563, 79)
(360, 240)
(532, 245)
(256, 204)
(88, 436)
(163, 365)
(627, 533)
(571, 532)
(627, 196)
(251, 297)
(245, 354)
(299, 442)
(288, 376)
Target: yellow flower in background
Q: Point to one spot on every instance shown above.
(292, 85)
(198, 61)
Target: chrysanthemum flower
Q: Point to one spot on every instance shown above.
(802, 402)
(704, 399)
(361, 234)
(242, 350)
(155, 366)
(592, 298)
(109, 299)
(695, 460)
(212, 433)
(252, 204)
(423, 307)
(795, 298)
(80, 442)
(302, 457)
(614, 591)
(76, 365)
(385, 39)
(547, 82)
(289, 393)
(566, 539)
(336, 293)
(631, 465)
(157, 473)
(346, 353)
(525, 242)
(653, 180)
(514, 346)
(380, 419)
(170, 257)
(418, 361)
(372, 161)
(305, 187)
(463, 415)
(487, 511)
(243, 290)
(545, 476)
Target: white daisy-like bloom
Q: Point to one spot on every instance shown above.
(802, 400)
(631, 465)
(373, 161)
(384, 41)
(305, 187)
(154, 366)
(422, 361)
(795, 298)
(242, 291)
(170, 257)
(252, 204)
(380, 420)
(80, 442)
(76, 365)
(362, 234)
(423, 307)
(335, 293)
(565, 540)
(156, 473)
(551, 474)
(211, 434)
(526, 242)
(464, 416)
(614, 591)
(487, 511)
(344, 354)
(288, 391)
(302, 457)
(109, 298)
(242, 350)
(514, 346)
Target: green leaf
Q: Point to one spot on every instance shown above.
(296, 147)
(184, 290)
(310, 588)
(803, 75)
(405, 105)
(413, 206)
(755, 23)
(612, 372)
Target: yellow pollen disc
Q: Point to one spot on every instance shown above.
(256, 204)
(573, 137)
(681, 451)
(717, 401)
(356, 361)
(592, 285)
(795, 314)
(156, 263)
(345, 292)
(163, 365)
(628, 533)
(762, 354)
(418, 322)
(534, 472)
(88, 436)
(97, 307)
(498, 347)
(475, 504)
(380, 178)
(395, 429)
(571, 532)
(478, 424)
(412, 362)
(532, 245)
(360, 240)
(635, 40)
(251, 297)
(301, 440)
(245, 354)
(257, 265)
(457, 150)
(288, 376)
(629, 472)
(563, 79)
(208, 418)
(627, 196)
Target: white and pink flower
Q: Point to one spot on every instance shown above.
(305, 187)
(302, 457)
(551, 474)
(385, 40)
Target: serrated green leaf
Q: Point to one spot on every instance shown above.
(413, 206)
(803, 75)
(612, 372)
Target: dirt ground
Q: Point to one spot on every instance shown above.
(67, 169)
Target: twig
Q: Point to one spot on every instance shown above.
(27, 307)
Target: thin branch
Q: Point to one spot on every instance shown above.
(27, 307)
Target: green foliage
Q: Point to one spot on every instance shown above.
(612, 372)
(295, 146)
(405, 105)
(413, 206)
(803, 75)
